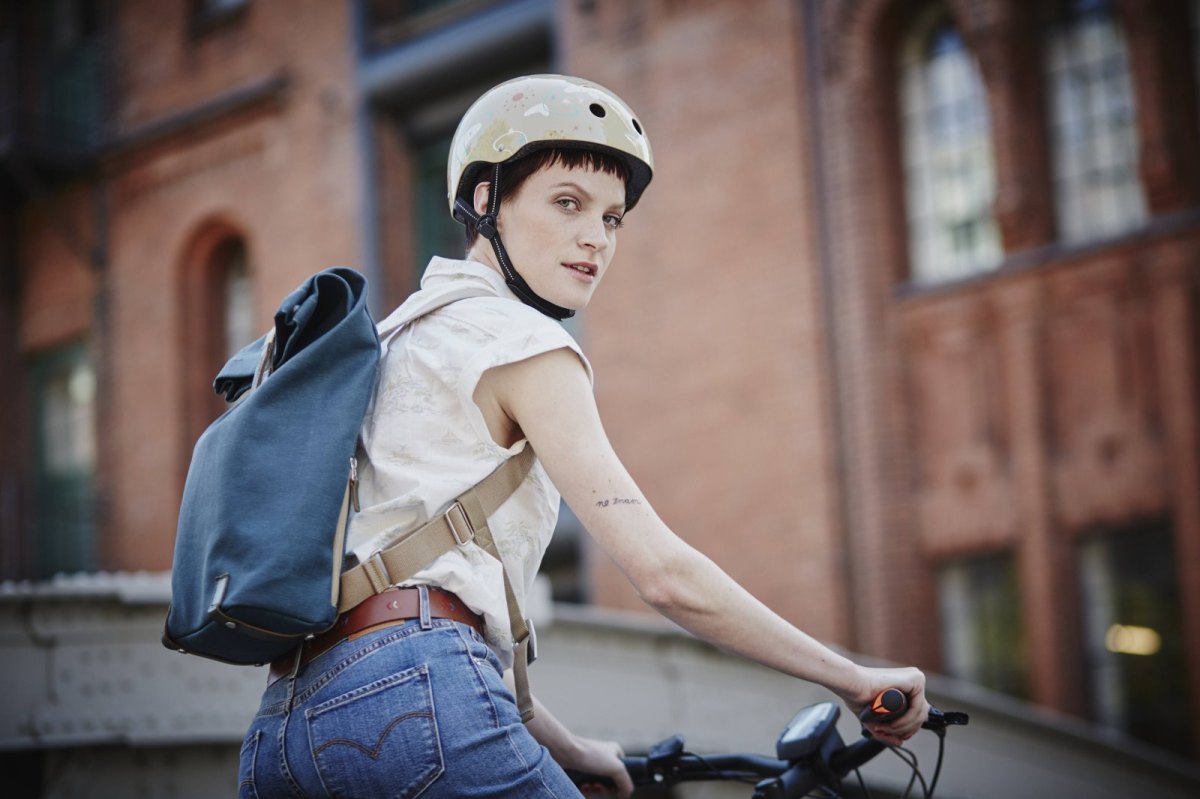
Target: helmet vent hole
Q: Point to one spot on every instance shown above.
(597, 110)
(638, 128)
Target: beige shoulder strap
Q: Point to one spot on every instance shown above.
(465, 520)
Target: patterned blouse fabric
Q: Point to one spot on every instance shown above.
(425, 440)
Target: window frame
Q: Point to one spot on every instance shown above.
(62, 489)
(1076, 224)
(1115, 678)
(1013, 678)
(203, 18)
(1194, 38)
(914, 107)
(412, 24)
(203, 344)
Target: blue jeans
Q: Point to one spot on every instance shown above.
(418, 709)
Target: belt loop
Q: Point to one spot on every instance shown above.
(426, 621)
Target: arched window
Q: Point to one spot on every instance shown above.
(230, 312)
(229, 262)
(1093, 124)
(949, 175)
(218, 317)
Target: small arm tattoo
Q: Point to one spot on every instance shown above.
(604, 503)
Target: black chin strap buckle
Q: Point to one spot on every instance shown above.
(486, 226)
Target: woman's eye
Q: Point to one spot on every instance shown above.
(568, 203)
(613, 221)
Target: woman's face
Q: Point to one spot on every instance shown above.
(560, 230)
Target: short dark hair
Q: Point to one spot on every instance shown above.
(514, 173)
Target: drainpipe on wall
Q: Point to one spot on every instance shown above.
(104, 362)
(370, 257)
(13, 415)
(808, 18)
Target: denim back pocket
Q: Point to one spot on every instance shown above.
(379, 740)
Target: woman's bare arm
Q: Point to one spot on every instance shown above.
(550, 400)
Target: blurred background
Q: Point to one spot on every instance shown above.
(905, 335)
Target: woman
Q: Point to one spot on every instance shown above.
(414, 701)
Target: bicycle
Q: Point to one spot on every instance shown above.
(810, 755)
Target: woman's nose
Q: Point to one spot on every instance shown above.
(594, 235)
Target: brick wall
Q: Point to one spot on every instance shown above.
(1022, 409)
(707, 336)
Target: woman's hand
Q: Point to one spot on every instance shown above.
(602, 758)
(571, 751)
(910, 682)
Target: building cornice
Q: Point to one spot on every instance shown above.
(265, 92)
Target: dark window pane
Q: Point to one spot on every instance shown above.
(1133, 640)
(1196, 42)
(437, 232)
(64, 386)
(982, 635)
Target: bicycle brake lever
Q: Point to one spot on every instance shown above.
(940, 720)
(665, 752)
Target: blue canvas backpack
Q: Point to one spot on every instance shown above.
(258, 548)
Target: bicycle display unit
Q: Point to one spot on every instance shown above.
(810, 756)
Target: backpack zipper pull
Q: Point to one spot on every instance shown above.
(354, 484)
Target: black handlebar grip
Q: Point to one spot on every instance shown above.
(581, 778)
(636, 766)
(888, 705)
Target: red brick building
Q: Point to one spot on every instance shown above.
(1015, 347)
(903, 334)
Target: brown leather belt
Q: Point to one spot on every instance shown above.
(391, 607)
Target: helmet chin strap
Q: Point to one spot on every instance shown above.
(486, 227)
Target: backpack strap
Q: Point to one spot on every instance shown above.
(464, 521)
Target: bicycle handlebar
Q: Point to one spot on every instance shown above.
(690, 768)
(801, 778)
(793, 779)
(824, 763)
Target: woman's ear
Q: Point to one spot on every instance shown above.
(483, 191)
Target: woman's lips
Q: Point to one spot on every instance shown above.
(582, 270)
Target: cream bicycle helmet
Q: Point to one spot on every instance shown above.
(533, 113)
